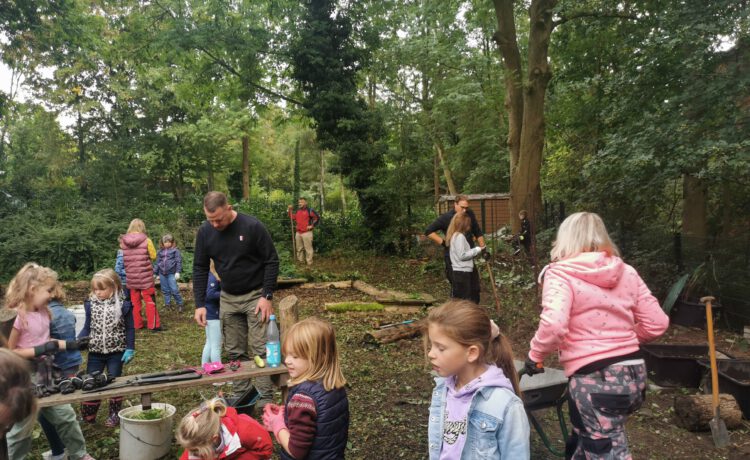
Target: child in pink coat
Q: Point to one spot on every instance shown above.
(596, 312)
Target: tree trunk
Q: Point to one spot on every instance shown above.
(343, 194)
(246, 167)
(507, 41)
(693, 412)
(322, 181)
(436, 181)
(295, 185)
(210, 176)
(694, 225)
(391, 334)
(446, 169)
(526, 192)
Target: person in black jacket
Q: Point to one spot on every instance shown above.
(461, 204)
(247, 263)
(524, 237)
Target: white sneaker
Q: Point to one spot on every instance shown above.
(48, 456)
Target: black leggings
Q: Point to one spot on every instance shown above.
(465, 285)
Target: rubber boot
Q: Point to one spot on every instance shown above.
(89, 410)
(113, 420)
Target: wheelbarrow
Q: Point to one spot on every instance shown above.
(543, 391)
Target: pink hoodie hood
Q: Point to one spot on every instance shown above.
(595, 268)
(594, 307)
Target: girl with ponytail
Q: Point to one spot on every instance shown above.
(216, 431)
(476, 411)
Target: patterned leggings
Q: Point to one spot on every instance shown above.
(599, 404)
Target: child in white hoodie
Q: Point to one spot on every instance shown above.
(596, 312)
(464, 286)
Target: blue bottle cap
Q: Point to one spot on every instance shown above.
(273, 318)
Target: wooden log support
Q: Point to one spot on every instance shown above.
(288, 314)
(392, 334)
(7, 317)
(347, 284)
(693, 412)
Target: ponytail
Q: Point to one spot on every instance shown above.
(501, 353)
(199, 426)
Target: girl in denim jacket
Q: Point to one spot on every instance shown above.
(475, 411)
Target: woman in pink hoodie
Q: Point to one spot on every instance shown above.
(596, 312)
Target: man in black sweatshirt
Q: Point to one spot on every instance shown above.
(246, 260)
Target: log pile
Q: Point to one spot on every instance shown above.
(693, 412)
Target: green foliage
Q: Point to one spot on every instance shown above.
(75, 244)
(326, 61)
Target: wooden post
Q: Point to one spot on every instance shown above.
(288, 314)
(7, 317)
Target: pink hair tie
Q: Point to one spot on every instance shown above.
(494, 330)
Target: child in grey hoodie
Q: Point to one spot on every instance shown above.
(464, 286)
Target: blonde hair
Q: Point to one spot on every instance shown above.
(461, 223)
(582, 232)
(31, 276)
(136, 226)
(469, 324)
(58, 292)
(106, 278)
(212, 269)
(198, 428)
(17, 398)
(315, 340)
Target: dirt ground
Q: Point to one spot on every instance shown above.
(389, 386)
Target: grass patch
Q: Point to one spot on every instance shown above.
(342, 307)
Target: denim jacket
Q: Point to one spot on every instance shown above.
(498, 426)
(63, 327)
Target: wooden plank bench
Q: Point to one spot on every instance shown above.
(279, 376)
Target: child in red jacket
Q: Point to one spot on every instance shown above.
(214, 431)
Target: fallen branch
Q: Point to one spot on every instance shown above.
(347, 284)
(392, 334)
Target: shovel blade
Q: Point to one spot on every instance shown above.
(719, 432)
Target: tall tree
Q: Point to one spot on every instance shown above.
(326, 62)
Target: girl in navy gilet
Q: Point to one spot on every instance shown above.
(314, 422)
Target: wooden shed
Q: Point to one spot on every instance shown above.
(492, 209)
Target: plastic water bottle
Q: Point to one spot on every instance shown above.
(273, 345)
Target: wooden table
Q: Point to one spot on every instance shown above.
(279, 376)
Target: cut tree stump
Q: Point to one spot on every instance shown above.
(288, 314)
(693, 412)
(347, 284)
(392, 334)
(7, 318)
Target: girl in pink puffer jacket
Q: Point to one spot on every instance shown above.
(138, 253)
(596, 312)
